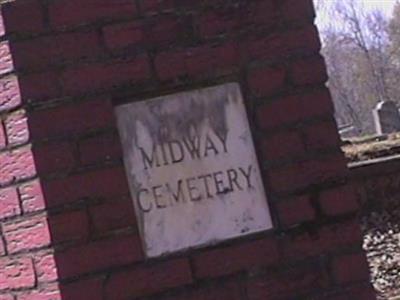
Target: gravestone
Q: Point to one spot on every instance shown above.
(192, 169)
(386, 117)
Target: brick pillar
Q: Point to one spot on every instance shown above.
(66, 202)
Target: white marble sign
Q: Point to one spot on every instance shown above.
(192, 169)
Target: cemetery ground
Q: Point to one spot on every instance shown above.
(380, 217)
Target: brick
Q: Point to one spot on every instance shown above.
(107, 183)
(224, 261)
(358, 291)
(321, 136)
(296, 211)
(283, 145)
(350, 268)
(40, 86)
(324, 240)
(16, 273)
(206, 59)
(217, 22)
(339, 201)
(118, 36)
(9, 93)
(23, 17)
(3, 137)
(72, 119)
(266, 82)
(32, 197)
(54, 157)
(303, 174)
(279, 46)
(9, 203)
(164, 30)
(108, 75)
(28, 234)
(69, 226)
(60, 48)
(148, 280)
(198, 61)
(6, 60)
(45, 267)
(289, 284)
(49, 292)
(309, 71)
(293, 109)
(100, 148)
(89, 289)
(17, 128)
(2, 247)
(99, 255)
(113, 215)
(225, 290)
(75, 12)
(170, 65)
(298, 10)
(16, 165)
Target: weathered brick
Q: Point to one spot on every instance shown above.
(148, 280)
(9, 202)
(340, 200)
(17, 128)
(225, 290)
(321, 136)
(53, 157)
(27, 234)
(112, 215)
(71, 119)
(6, 60)
(108, 75)
(74, 12)
(45, 267)
(279, 46)
(283, 145)
(219, 262)
(291, 109)
(40, 86)
(3, 137)
(49, 292)
(290, 284)
(16, 165)
(88, 289)
(23, 17)
(100, 148)
(306, 173)
(323, 240)
(266, 82)
(106, 183)
(118, 36)
(69, 226)
(29, 54)
(309, 71)
(298, 10)
(296, 211)
(16, 273)
(99, 255)
(32, 196)
(350, 268)
(10, 96)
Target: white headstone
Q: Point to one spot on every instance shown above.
(192, 169)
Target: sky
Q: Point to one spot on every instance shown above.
(385, 6)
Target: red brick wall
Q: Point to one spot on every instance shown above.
(75, 60)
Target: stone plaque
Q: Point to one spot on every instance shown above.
(192, 169)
